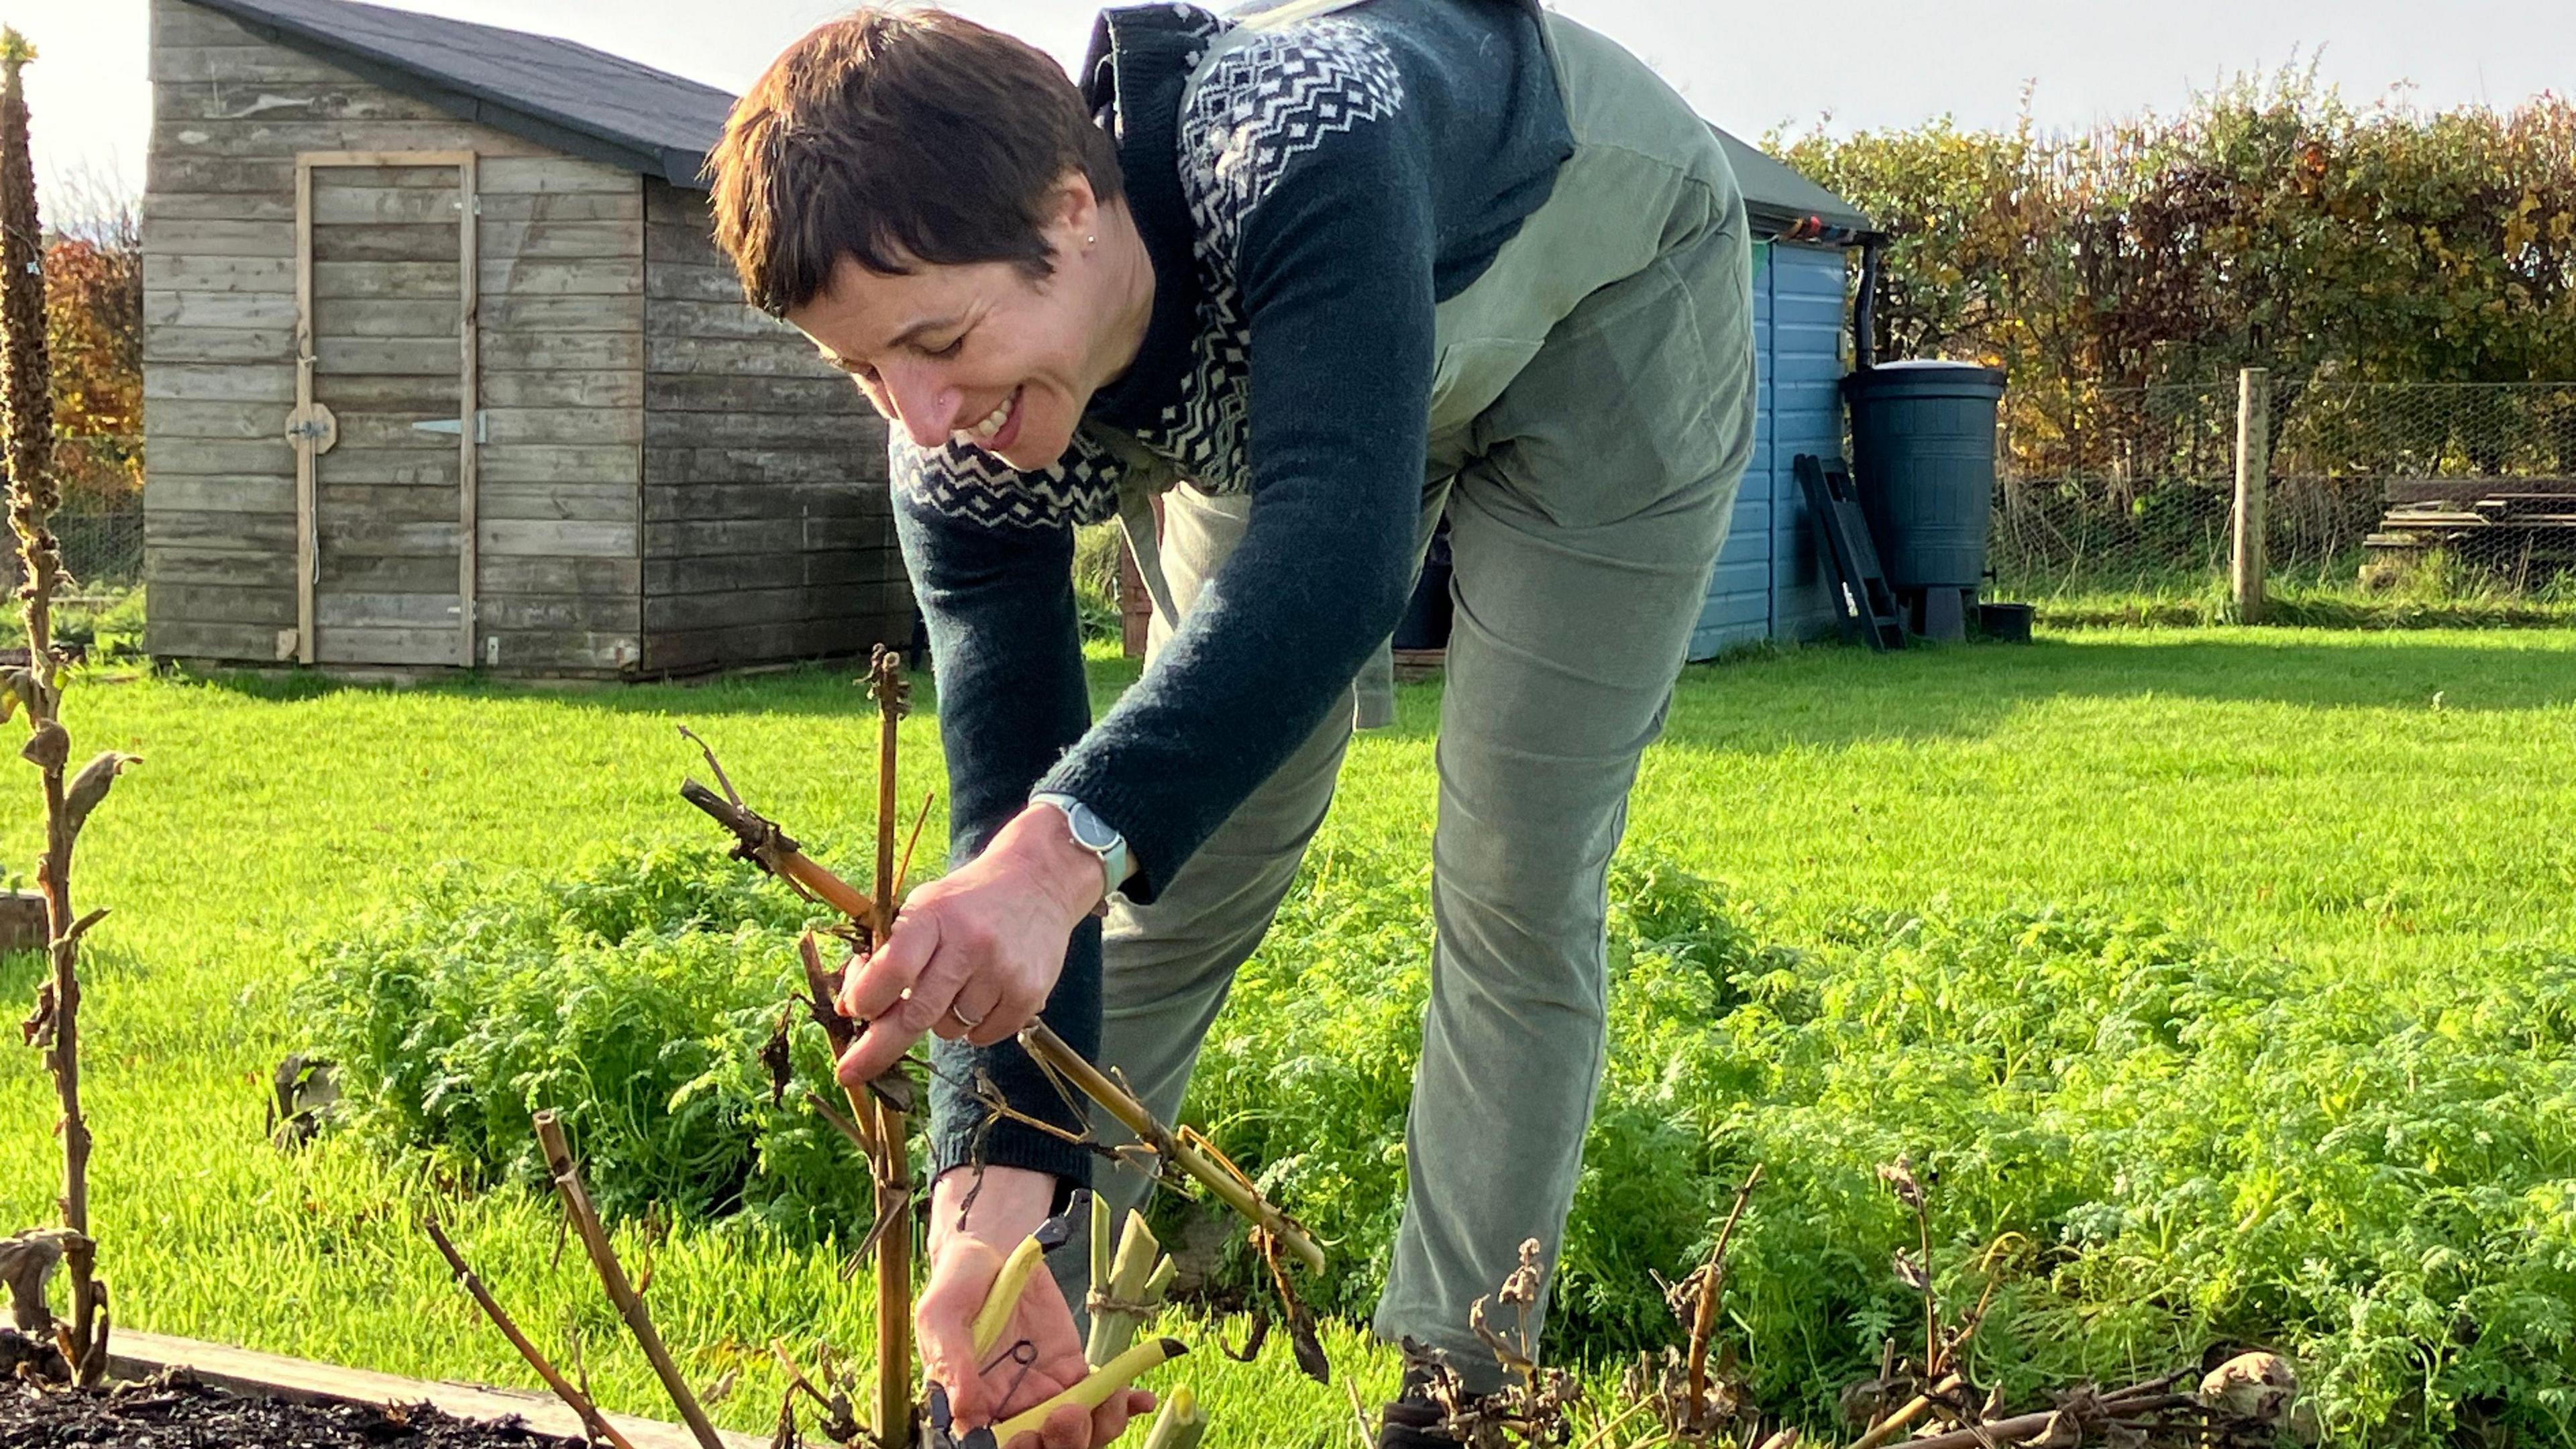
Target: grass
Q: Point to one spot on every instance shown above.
(2438, 591)
(2364, 807)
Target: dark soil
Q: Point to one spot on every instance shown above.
(174, 1411)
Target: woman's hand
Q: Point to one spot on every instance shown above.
(1039, 1355)
(974, 954)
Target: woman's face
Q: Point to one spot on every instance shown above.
(982, 354)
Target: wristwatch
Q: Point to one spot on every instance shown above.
(1095, 835)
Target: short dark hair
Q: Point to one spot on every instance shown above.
(897, 137)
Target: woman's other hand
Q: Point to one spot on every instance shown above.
(1038, 1355)
(974, 954)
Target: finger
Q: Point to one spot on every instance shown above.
(1012, 1011)
(943, 1323)
(1067, 1428)
(1111, 1419)
(893, 968)
(893, 1033)
(970, 1012)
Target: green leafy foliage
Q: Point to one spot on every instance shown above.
(2269, 223)
(2152, 1145)
(632, 996)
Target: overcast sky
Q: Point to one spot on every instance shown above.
(1864, 63)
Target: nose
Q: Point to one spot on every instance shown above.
(926, 406)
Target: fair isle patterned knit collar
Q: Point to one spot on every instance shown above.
(1140, 59)
(1194, 179)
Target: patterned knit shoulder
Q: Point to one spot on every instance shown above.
(971, 485)
(1269, 103)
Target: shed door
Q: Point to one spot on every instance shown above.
(388, 321)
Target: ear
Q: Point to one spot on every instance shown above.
(1076, 212)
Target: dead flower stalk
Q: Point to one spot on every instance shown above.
(612, 1276)
(26, 413)
(877, 1119)
(574, 1399)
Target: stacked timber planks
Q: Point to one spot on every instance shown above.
(2525, 527)
(559, 516)
(767, 525)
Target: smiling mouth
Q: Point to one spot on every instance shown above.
(999, 429)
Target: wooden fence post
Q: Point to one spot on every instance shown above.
(2253, 468)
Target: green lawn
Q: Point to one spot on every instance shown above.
(2366, 808)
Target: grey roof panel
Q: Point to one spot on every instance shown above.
(1780, 199)
(556, 92)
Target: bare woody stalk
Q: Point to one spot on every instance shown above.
(26, 415)
(1050, 1049)
(894, 1156)
(1712, 1285)
(612, 1276)
(574, 1399)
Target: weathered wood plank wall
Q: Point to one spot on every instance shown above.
(767, 528)
(561, 338)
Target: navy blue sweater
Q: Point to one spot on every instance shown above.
(1329, 183)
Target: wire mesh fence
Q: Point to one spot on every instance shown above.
(2130, 492)
(100, 521)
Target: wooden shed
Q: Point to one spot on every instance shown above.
(443, 370)
(1770, 580)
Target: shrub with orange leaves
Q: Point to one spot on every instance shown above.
(94, 330)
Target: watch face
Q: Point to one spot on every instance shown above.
(1089, 830)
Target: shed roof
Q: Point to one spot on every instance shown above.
(1782, 201)
(555, 92)
(591, 103)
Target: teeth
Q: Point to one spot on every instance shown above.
(984, 431)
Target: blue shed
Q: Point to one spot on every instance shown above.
(1769, 583)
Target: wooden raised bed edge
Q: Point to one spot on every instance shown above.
(137, 1355)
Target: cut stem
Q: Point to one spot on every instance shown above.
(1119, 1306)
(612, 1276)
(1042, 1043)
(1178, 1424)
(574, 1399)
(1004, 1299)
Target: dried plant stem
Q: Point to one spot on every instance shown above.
(1050, 1049)
(1982, 1436)
(1712, 1283)
(779, 854)
(26, 411)
(894, 1158)
(574, 1399)
(1894, 1424)
(894, 1280)
(603, 1256)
